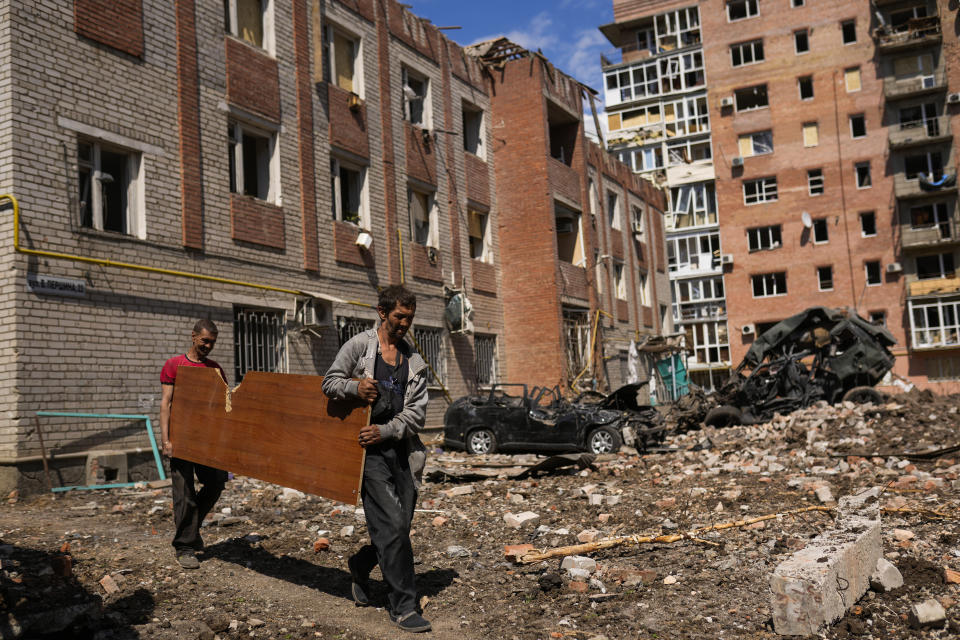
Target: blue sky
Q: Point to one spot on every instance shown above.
(565, 30)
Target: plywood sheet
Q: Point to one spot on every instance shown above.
(275, 427)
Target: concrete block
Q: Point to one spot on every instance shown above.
(579, 562)
(928, 613)
(885, 577)
(105, 467)
(817, 584)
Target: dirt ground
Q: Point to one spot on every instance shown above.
(98, 564)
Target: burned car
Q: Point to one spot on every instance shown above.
(513, 417)
(641, 425)
(819, 354)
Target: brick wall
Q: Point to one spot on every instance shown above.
(348, 127)
(421, 154)
(345, 247)
(257, 222)
(115, 23)
(252, 79)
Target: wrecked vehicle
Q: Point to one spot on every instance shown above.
(534, 420)
(641, 424)
(819, 354)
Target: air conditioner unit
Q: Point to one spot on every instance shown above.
(737, 161)
(953, 98)
(726, 258)
(314, 312)
(726, 102)
(748, 329)
(565, 226)
(894, 267)
(637, 227)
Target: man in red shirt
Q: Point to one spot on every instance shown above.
(190, 506)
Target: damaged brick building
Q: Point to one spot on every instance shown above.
(269, 165)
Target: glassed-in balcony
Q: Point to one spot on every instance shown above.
(934, 320)
(914, 33)
(895, 88)
(920, 132)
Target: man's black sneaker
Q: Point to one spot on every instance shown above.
(358, 585)
(412, 622)
(187, 558)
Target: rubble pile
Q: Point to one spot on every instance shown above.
(98, 564)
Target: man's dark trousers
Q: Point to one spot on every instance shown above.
(389, 496)
(190, 506)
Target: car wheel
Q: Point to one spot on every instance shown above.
(723, 416)
(481, 441)
(604, 440)
(863, 395)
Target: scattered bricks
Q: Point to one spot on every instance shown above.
(804, 587)
(603, 518)
(951, 576)
(586, 490)
(517, 520)
(630, 577)
(588, 535)
(578, 574)
(824, 495)
(934, 483)
(109, 585)
(905, 482)
(896, 502)
(579, 562)
(928, 613)
(613, 500)
(347, 531)
(885, 577)
(461, 490)
(513, 552)
(595, 499)
(578, 586)
(321, 544)
(439, 521)
(666, 503)
(947, 601)
(757, 525)
(670, 580)
(901, 535)
(456, 551)
(62, 565)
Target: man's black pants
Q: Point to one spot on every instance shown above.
(190, 506)
(389, 497)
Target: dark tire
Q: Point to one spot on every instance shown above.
(723, 416)
(604, 440)
(863, 395)
(481, 441)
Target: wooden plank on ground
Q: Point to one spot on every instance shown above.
(276, 427)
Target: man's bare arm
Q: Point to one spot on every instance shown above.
(166, 403)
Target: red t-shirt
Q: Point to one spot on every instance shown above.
(168, 375)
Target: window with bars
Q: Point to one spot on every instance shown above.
(944, 369)
(432, 349)
(349, 327)
(260, 341)
(485, 357)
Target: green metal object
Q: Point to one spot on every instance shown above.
(673, 375)
(112, 416)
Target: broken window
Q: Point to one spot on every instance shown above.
(761, 190)
(485, 357)
(479, 236)
(769, 284)
(613, 210)
(825, 278)
(688, 150)
(878, 318)
(110, 188)
(473, 130)
(872, 270)
(928, 164)
(760, 238)
(862, 170)
(693, 205)
(746, 53)
(678, 29)
(686, 117)
(938, 265)
(801, 41)
(619, 281)
(347, 187)
(709, 342)
(693, 253)
(569, 243)
(576, 330)
(416, 98)
(858, 125)
(632, 83)
(260, 341)
(638, 222)
(756, 144)
(751, 98)
(931, 215)
(563, 128)
(341, 63)
(815, 182)
(848, 29)
(252, 162)
(821, 232)
(742, 9)
(805, 86)
(868, 224)
(432, 349)
(644, 289)
(249, 20)
(423, 218)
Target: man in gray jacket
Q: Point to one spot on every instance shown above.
(379, 367)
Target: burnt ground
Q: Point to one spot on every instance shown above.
(261, 577)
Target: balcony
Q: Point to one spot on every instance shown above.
(912, 189)
(936, 235)
(920, 132)
(933, 287)
(916, 33)
(899, 88)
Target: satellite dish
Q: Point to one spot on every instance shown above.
(806, 219)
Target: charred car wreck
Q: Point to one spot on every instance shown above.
(541, 420)
(819, 354)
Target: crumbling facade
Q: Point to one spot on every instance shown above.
(265, 164)
(831, 133)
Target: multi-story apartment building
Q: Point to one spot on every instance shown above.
(268, 165)
(655, 91)
(831, 136)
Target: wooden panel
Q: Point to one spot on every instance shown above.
(280, 428)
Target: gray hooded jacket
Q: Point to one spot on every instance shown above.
(356, 359)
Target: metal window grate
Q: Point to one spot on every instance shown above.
(349, 327)
(260, 339)
(576, 327)
(485, 355)
(431, 346)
